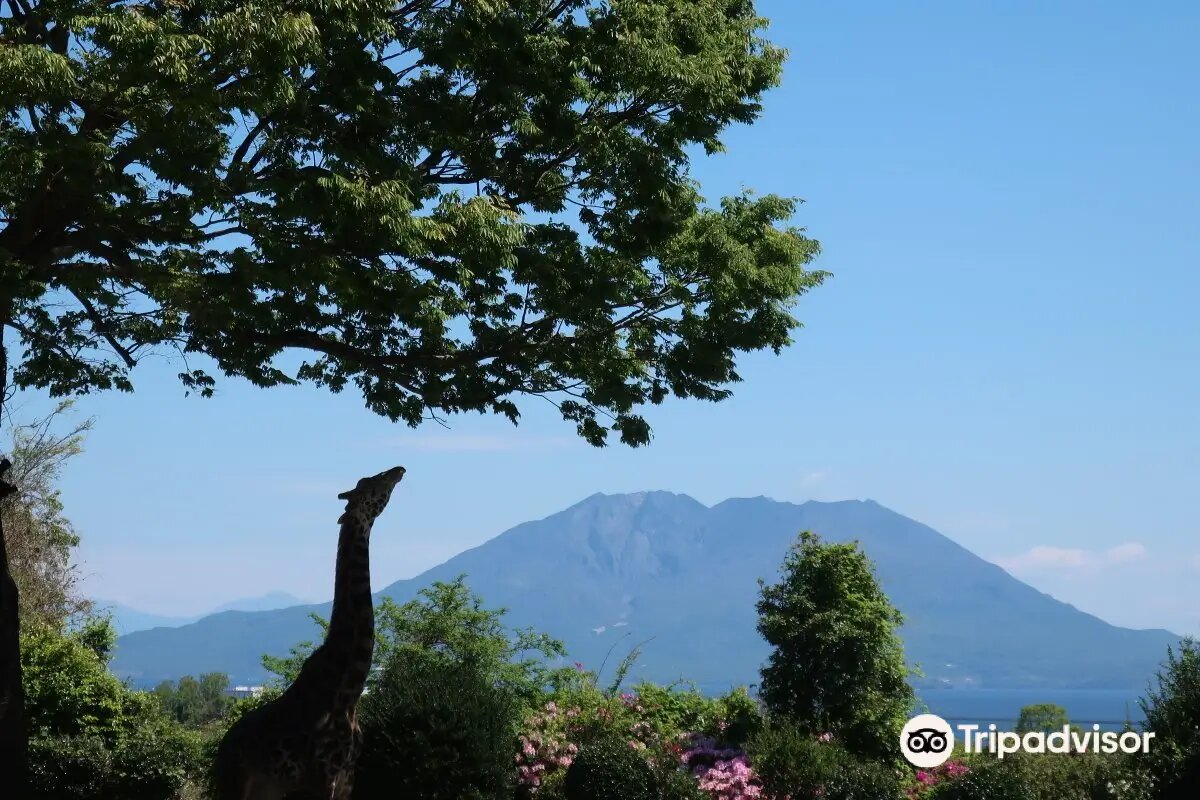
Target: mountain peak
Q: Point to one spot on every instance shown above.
(654, 498)
(663, 568)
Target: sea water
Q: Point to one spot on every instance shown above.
(1108, 708)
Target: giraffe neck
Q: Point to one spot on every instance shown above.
(351, 637)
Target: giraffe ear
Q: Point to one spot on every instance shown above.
(345, 495)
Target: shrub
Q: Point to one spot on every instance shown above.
(927, 779)
(91, 736)
(1075, 776)
(741, 717)
(987, 780)
(69, 767)
(676, 785)
(156, 762)
(729, 779)
(1172, 711)
(610, 769)
(151, 765)
(792, 763)
(436, 730)
(544, 750)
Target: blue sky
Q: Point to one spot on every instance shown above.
(1007, 350)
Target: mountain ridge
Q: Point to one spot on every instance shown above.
(127, 619)
(613, 569)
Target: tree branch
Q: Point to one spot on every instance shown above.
(101, 327)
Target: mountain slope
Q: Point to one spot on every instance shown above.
(614, 571)
(130, 620)
(263, 602)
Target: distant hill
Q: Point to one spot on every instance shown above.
(130, 620)
(265, 602)
(614, 571)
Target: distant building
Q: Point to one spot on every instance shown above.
(244, 692)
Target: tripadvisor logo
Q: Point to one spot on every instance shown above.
(927, 741)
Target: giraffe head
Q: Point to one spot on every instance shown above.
(370, 496)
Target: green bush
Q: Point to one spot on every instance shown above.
(1061, 776)
(155, 763)
(152, 765)
(987, 780)
(1172, 710)
(92, 736)
(69, 767)
(676, 784)
(610, 769)
(742, 717)
(436, 730)
(792, 763)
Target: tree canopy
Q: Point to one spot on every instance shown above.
(836, 665)
(1043, 717)
(445, 203)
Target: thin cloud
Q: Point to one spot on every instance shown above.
(1130, 551)
(814, 479)
(1043, 557)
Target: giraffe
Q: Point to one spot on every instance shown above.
(305, 742)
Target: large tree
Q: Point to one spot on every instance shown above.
(447, 203)
(836, 664)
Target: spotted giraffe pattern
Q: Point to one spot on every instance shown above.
(304, 743)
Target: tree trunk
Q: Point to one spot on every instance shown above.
(14, 742)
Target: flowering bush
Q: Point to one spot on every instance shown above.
(545, 750)
(723, 772)
(690, 741)
(927, 779)
(731, 779)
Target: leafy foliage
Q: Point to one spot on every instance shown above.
(1076, 776)
(437, 731)
(68, 688)
(610, 769)
(91, 735)
(39, 537)
(447, 620)
(442, 716)
(287, 668)
(1045, 717)
(452, 683)
(445, 205)
(680, 708)
(1172, 712)
(992, 780)
(793, 763)
(837, 665)
(69, 767)
(196, 701)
